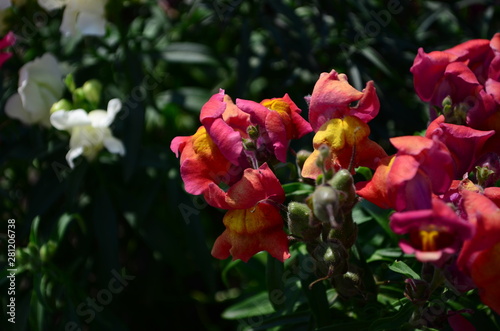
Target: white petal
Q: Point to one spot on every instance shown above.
(72, 154)
(101, 118)
(67, 27)
(65, 120)
(51, 4)
(114, 145)
(90, 24)
(14, 109)
(4, 4)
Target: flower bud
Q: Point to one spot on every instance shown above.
(92, 91)
(331, 258)
(249, 145)
(417, 291)
(325, 201)
(344, 182)
(488, 170)
(347, 232)
(48, 250)
(78, 97)
(253, 132)
(299, 225)
(62, 104)
(302, 156)
(348, 284)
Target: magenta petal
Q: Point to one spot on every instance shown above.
(492, 87)
(213, 108)
(178, 143)
(428, 70)
(258, 113)
(368, 105)
(277, 133)
(228, 140)
(8, 40)
(4, 57)
(302, 126)
(464, 144)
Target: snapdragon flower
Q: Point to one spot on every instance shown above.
(40, 85)
(84, 16)
(90, 132)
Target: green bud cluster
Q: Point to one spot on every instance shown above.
(326, 225)
(87, 97)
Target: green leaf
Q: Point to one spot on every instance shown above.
(106, 233)
(256, 305)
(185, 52)
(275, 285)
(62, 225)
(398, 319)
(365, 172)
(402, 268)
(294, 189)
(374, 57)
(297, 320)
(190, 98)
(386, 254)
(381, 216)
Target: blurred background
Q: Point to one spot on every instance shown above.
(129, 218)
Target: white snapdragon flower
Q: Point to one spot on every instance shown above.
(85, 16)
(4, 4)
(90, 132)
(40, 85)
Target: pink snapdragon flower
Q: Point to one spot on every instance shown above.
(8, 40)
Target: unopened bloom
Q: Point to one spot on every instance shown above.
(253, 221)
(84, 16)
(90, 132)
(40, 85)
(480, 255)
(406, 181)
(434, 234)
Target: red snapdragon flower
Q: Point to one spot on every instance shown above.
(464, 143)
(480, 255)
(434, 234)
(253, 221)
(342, 126)
(406, 180)
(202, 162)
(468, 73)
